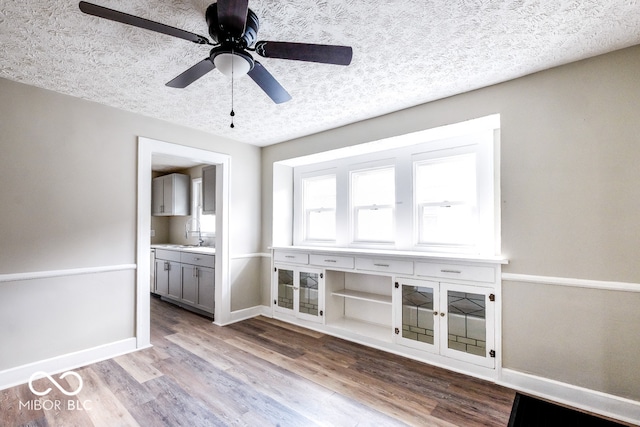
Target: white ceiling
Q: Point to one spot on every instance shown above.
(406, 52)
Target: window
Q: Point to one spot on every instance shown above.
(207, 223)
(372, 201)
(432, 195)
(319, 207)
(446, 200)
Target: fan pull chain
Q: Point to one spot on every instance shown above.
(232, 114)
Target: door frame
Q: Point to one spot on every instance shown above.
(147, 147)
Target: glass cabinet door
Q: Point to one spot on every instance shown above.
(417, 320)
(308, 300)
(299, 291)
(284, 290)
(467, 322)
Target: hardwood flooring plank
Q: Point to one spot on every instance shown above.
(106, 409)
(139, 366)
(263, 372)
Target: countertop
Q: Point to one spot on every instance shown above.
(186, 248)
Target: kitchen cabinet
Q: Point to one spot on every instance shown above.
(187, 279)
(209, 190)
(167, 273)
(170, 195)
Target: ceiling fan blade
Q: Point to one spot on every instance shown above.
(326, 54)
(192, 74)
(232, 16)
(125, 18)
(269, 84)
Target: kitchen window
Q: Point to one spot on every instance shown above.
(207, 223)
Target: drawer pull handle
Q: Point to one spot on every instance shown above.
(330, 260)
(381, 265)
(451, 271)
(289, 256)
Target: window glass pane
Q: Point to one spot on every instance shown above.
(374, 225)
(374, 187)
(319, 192)
(319, 206)
(447, 179)
(446, 205)
(321, 225)
(373, 199)
(448, 224)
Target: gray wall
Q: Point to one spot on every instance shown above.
(68, 199)
(570, 150)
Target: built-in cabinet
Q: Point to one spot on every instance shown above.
(186, 278)
(436, 309)
(170, 195)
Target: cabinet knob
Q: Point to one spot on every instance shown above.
(435, 313)
(442, 314)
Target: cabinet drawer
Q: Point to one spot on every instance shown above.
(387, 265)
(198, 259)
(456, 271)
(291, 257)
(332, 261)
(168, 255)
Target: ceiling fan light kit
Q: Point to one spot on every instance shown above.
(234, 30)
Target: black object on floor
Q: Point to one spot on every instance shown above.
(528, 411)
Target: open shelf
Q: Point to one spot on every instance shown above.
(367, 329)
(364, 296)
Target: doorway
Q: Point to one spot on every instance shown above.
(147, 150)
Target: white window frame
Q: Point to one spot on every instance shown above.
(353, 209)
(300, 216)
(483, 142)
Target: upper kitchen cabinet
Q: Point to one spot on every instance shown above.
(209, 190)
(170, 195)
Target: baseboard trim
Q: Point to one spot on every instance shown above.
(604, 404)
(21, 374)
(248, 313)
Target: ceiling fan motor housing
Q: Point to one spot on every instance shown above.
(220, 35)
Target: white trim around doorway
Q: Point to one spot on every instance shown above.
(146, 149)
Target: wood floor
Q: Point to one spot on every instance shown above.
(259, 372)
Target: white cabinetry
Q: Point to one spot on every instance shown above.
(170, 195)
(437, 309)
(299, 292)
(453, 320)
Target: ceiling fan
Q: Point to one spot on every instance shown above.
(234, 30)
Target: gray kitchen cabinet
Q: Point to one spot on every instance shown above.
(187, 279)
(170, 195)
(209, 190)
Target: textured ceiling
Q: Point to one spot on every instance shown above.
(406, 52)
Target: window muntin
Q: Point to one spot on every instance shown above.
(372, 204)
(446, 200)
(319, 207)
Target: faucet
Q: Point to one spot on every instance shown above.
(188, 230)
